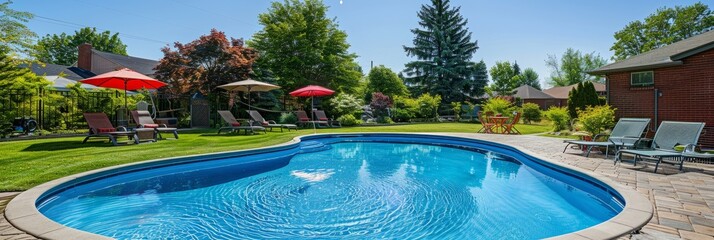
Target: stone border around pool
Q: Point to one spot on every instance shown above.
(22, 211)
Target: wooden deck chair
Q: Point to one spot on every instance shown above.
(100, 126)
(233, 125)
(487, 126)
(143, 120)
(511, 126)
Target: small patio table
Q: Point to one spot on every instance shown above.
(498, 123)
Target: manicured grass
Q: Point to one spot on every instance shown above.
(24, 164)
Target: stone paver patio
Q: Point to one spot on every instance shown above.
(683, 202)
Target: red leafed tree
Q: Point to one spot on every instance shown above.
(205, 63)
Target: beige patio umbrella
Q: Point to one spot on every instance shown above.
(249, 85)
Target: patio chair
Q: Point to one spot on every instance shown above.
(625, 134)
(258, 119)
(304, 120)
(233, 125)
(143, 120)
(100, 126)
(487, 126)
(511, 125)
(321, 116)
(668, 135)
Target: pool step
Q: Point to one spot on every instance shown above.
(313, 146)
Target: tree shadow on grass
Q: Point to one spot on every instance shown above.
(66, 145)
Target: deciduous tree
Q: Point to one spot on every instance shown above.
(504, 79)
(443, 47)
(300, 45)
(530, 77)
(205, 63)
(15, 37)
(573, 66)
(382, 79)
(661, 28)
(62, 49)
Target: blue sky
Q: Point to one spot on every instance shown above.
(507, 30)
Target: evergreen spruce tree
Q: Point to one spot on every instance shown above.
(443, 48)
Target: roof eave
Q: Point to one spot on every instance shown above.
(636, 68)
(693, 51)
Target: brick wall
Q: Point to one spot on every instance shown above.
(545, 103)
(687, 94)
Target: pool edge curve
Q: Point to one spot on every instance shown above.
(23, 214)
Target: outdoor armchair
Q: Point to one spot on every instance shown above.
(143, 120)
(625, 134)
(100, 126)
(511, 125)
(668, 135)
(487, 127)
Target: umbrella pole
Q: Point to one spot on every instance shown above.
(312, 113)
(126, 108)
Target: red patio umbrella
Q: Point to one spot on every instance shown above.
(312, 91)
(125, 79)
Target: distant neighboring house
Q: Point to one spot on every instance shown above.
(60, 76)
(674, 83)
(98, 62)
(90, 63)
(562, 93)
(528, 94)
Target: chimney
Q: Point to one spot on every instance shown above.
(84, 58)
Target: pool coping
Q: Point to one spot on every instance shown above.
(22, 211)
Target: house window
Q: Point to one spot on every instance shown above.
(642, 79)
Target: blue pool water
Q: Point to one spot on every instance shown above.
(380, 187)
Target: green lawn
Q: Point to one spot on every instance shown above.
(25, 164)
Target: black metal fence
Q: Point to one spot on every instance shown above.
(56, 110)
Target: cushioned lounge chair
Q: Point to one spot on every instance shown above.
(321, 116)
(233, 125)
(304, 120)
(100, 126)
(143, 120)
(625, 134)
(259, 120)
(668, 135)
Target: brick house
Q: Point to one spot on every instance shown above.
(98, 62)
(562, 93)
(674, 82)
(528, 94)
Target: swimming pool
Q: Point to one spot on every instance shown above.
(401, 186)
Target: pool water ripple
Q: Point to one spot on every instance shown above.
(350, 190)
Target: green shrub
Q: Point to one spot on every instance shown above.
(597, 119)
(404, 109)
(456, 107)
(343, 104)
(499, 105)
(531, 113)
(559, 118)
(380, 103)
(287, 118)
(385, 119)
(428, 105)
(349, 120)
(582, 96)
